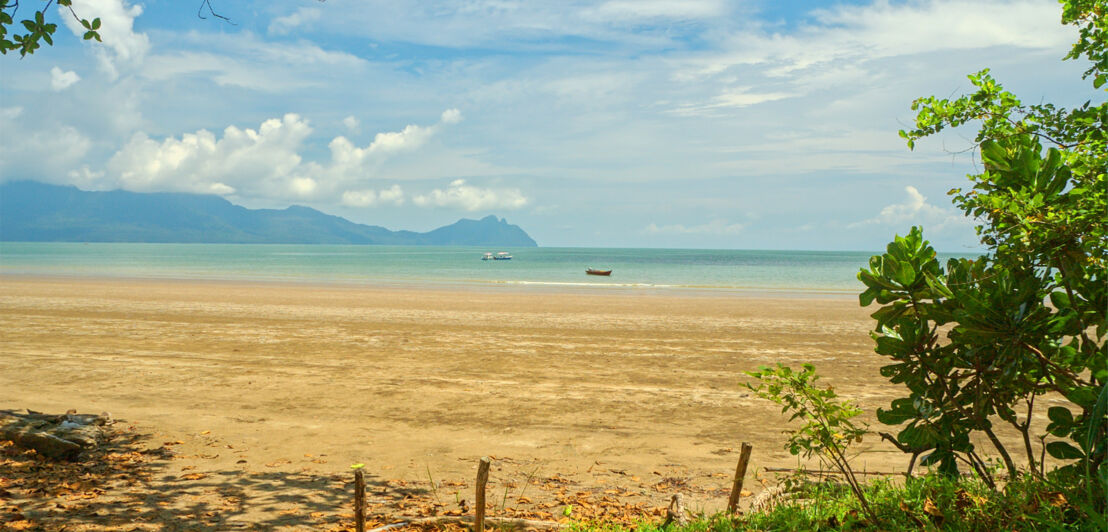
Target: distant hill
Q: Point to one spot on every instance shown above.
(37, 212)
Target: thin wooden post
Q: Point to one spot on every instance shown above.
(482, 478)
(740, 472)
(359, 501)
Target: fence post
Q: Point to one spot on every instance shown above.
(740, 472)
(359, 501)
(482, 478)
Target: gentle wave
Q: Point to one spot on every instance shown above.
(704, 270)
(582, 283)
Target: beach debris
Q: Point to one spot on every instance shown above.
(56, 437)
(676, 513)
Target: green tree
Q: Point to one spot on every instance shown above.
(977, 341)
(36, 29)
(30, 32)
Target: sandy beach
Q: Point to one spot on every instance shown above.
(278, 389)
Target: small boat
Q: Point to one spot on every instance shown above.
(503, 255)
(488, 256)
(594, 271)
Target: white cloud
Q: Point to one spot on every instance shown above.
(638, 10)
(459, 195)
(60, 80)
(451, 116)
(915, 211)
(348, 159)
(535, 25)
(249, 61)
(85, 178)
(734, 97)
(359, 198)
(121, 44)
(265, 162)
(10, 113)
(284, 25)
(393, 194)
(878, 30)
(839, 48)
(262, 161)
(351, 123)
(32, 149)
(303, 186)
(369, 197)
(715, 227)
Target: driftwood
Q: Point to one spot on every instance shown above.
(770, 497)
(676, 513)
(56, 437)
(827, 472)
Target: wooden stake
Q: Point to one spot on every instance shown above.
(359, 501)
(482, 478)
(740, 472)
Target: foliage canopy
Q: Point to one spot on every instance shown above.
(36, 28)
(977, 341)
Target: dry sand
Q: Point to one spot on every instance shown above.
(278, 389)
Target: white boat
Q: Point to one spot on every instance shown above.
(488, 256)
(503, 255)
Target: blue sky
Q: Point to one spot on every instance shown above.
(623, 123)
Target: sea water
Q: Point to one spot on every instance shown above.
(662, 269)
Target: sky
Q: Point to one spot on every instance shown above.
(752, 124)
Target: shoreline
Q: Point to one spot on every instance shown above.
(478, 286)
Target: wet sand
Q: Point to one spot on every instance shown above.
(620, 387)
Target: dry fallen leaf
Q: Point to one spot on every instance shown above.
(929, 508)
(1056, 499)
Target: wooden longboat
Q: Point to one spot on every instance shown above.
(594, 271)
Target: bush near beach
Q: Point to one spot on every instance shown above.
(976, 342)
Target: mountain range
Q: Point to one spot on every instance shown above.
(38, 212)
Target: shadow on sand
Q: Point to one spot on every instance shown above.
(128, 484)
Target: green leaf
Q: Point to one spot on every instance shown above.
(1097, 417)
(866, 297)
(905, 274)
(96, 23)
(1060, 415)
(1063, 451)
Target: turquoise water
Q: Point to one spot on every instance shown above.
(802, 271)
